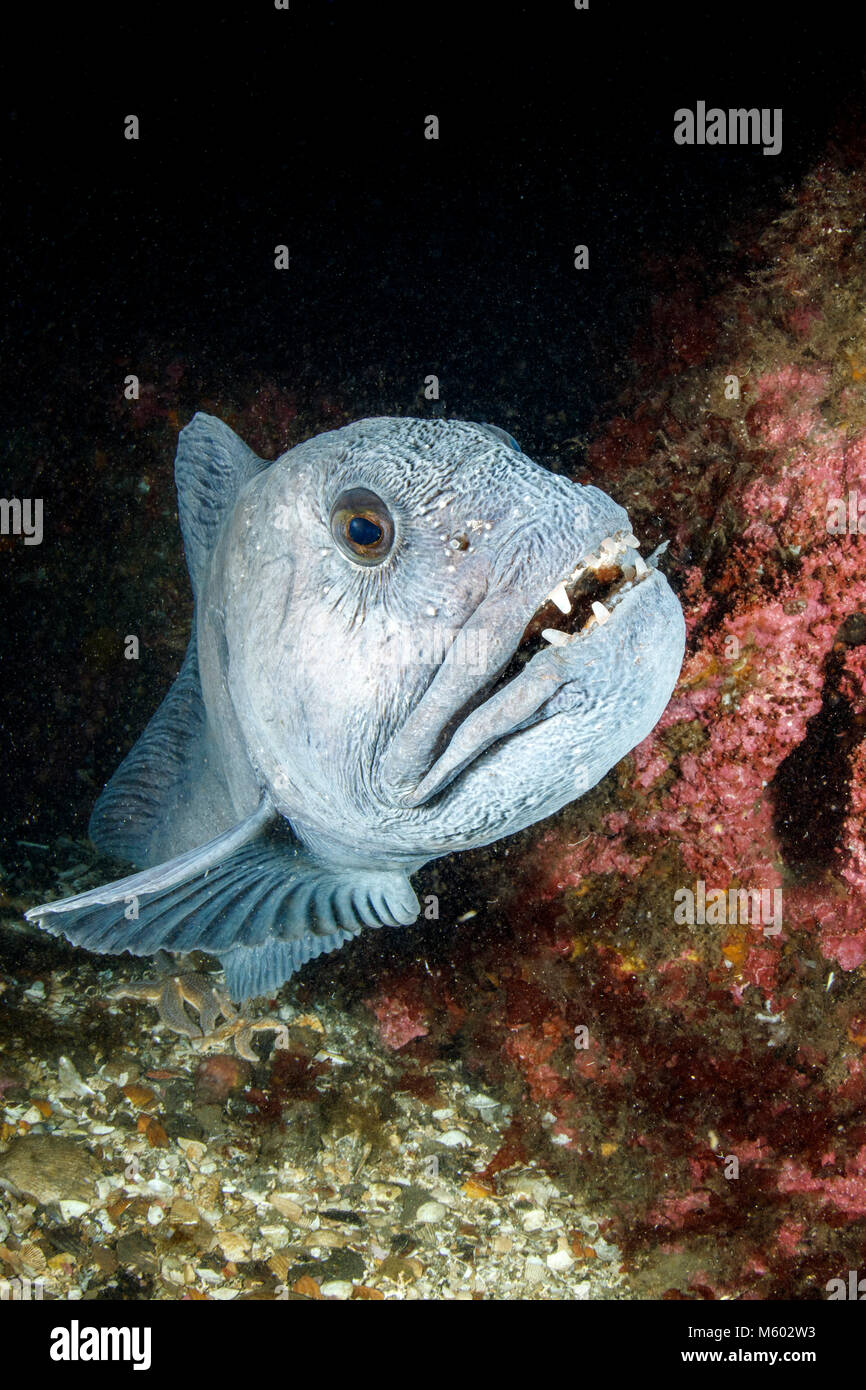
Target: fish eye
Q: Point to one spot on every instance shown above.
(362, 526)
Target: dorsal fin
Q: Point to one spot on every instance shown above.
(502, 435)
(211, 467)
(168, 792)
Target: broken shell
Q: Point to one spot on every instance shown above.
(193, 1149)
(286, 1206)
(534, 1220)
(235, 1245)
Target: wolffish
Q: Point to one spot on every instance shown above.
(408, 639)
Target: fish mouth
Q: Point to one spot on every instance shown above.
(580, 601)
(538, 646)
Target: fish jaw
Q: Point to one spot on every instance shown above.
(530, 565)
(551, 733)
(543, 633)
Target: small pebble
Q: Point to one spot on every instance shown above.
(559, 1261)
(286, 1205)
(430, 1212)
(534, 1220)
(454, 1139)
(385, 1191)
(220, 1076)
(337, 1288)
(194, 1150)
(235, 1245)
(275, 1235)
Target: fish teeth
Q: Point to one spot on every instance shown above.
(641, 565)
(609, 549)
(608, 552)
(600, 612)
(560, 598)
(555, 637)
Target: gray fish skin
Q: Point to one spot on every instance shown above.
(341, 718)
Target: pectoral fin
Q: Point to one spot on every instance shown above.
(253, 896)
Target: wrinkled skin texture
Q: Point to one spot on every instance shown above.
(340, 730)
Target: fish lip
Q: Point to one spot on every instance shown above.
(416, 750)
(546, 673)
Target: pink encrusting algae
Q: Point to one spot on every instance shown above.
(706, 1076)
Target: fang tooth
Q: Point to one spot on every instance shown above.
(560, 598)
(628, 571)
(555, 637)
(632, 541)
(640, 564)
(600, 612)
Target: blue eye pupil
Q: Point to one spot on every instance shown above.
(362, 526)
(362, 531)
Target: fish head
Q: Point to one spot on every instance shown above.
(419, 640)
